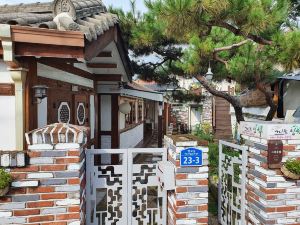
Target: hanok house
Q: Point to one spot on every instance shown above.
(66, 62)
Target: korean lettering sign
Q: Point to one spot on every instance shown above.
(191, 157)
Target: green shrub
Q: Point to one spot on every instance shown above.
(293, 166)
(5, 179)
(204, 132)
(213, 158)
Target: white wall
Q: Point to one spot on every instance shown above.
(7, 123)
(42, 113)
(92, 115)
(7, 113)
(131, 138)
(291, 99)
(105, 112)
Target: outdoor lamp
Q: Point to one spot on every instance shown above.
(40, 92)
(125, 108)
(209, 74)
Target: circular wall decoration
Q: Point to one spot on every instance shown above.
(64, 113)
(80, 114)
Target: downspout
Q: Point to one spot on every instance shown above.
(18, 75)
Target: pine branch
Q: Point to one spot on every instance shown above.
(227, 48)
(234, 101)
(239, 32)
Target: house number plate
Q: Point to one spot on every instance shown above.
(191, 157)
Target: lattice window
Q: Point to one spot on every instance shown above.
(64, 113)
(81, 114)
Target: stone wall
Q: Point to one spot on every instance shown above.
(188, 203)
(272, 198)
(50, 188)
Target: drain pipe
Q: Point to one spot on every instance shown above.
(18, 75)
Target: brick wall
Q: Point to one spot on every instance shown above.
(272, 198)
(50, 189)
(188, 203)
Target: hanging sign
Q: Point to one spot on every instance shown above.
(191, 157)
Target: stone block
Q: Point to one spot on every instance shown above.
(66, 174)
(32, 183)
(25, 198)
(12, 205)
(41, 160)
(54, 211)
(67, 188)
(67, 202)
(39, 175)
(53, 182)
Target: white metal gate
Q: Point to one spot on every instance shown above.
(123, 188)
(232, 183)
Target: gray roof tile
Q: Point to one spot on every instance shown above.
(88, 16)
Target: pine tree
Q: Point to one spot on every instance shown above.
(244, 40)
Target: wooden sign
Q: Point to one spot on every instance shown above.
(275, 152)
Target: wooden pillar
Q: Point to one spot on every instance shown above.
(159, 125)
(115, 134)
(19, 78)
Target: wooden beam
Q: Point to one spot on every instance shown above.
(105, 54)
(1, 48)
(108, 77)
(68, 68)
(25, 34)
(94, 48)
(102, 65)
(7, 89)
(115, 137)
(43, 50)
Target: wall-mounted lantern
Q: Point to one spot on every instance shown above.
(125, 108)
(209, 74)
(40, 92)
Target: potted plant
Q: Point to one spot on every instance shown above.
(5, 179)
(291, 169)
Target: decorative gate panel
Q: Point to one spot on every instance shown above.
(232, 183)
(122, 187)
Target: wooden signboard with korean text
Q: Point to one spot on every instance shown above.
(275, 152)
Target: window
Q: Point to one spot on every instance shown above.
(130, 118)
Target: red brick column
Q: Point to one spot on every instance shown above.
(50, 189)
(188, 203)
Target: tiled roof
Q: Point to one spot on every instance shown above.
(88, 16)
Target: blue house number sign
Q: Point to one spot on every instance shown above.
(191, 157)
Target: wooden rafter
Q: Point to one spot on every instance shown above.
(108, 77)
(105, 54)
(68, 68)
(102, 65)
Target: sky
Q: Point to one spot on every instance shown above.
(124, 4)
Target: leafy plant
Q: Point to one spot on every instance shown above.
(213, 158)
(5, 179)
(293, 166)
(204, 132)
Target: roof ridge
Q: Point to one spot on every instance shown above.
(37, 7)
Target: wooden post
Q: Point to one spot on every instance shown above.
(159, 125)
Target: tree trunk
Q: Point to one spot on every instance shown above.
(234, 101)
(269, 98)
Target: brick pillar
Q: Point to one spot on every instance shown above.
(272, 198)
(50, 189)
(188, 203)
